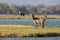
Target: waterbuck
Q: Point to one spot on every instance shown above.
(40, 20)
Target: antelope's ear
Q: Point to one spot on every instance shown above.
(46, 16)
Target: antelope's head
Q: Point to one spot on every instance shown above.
(45, 17)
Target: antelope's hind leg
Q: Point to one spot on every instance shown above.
(42, 24)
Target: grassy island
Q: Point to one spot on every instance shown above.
(27, 31)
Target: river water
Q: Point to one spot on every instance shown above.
(48, 22)
(38, 38)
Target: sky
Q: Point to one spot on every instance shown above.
(31, 2)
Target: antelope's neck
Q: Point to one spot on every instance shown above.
(33, 17)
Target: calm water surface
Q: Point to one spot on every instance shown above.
(48, 22)
(40, 38)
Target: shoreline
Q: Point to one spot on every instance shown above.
(14, 26)
(17, 35)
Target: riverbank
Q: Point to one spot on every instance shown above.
(27, 31)
(5, 16)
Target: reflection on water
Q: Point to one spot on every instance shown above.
(48, 22)
(39, 38)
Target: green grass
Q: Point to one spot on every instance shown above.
(20, 31)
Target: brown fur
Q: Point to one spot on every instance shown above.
(38, 20)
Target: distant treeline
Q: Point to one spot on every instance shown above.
(27, 9)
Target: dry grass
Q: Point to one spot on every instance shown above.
(22, 31)
(5, 16)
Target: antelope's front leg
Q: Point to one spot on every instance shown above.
(35, 24)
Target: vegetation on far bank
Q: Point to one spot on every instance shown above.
(5, 16)
(27, 9)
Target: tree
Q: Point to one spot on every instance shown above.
(4, 8)
(31, 8)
